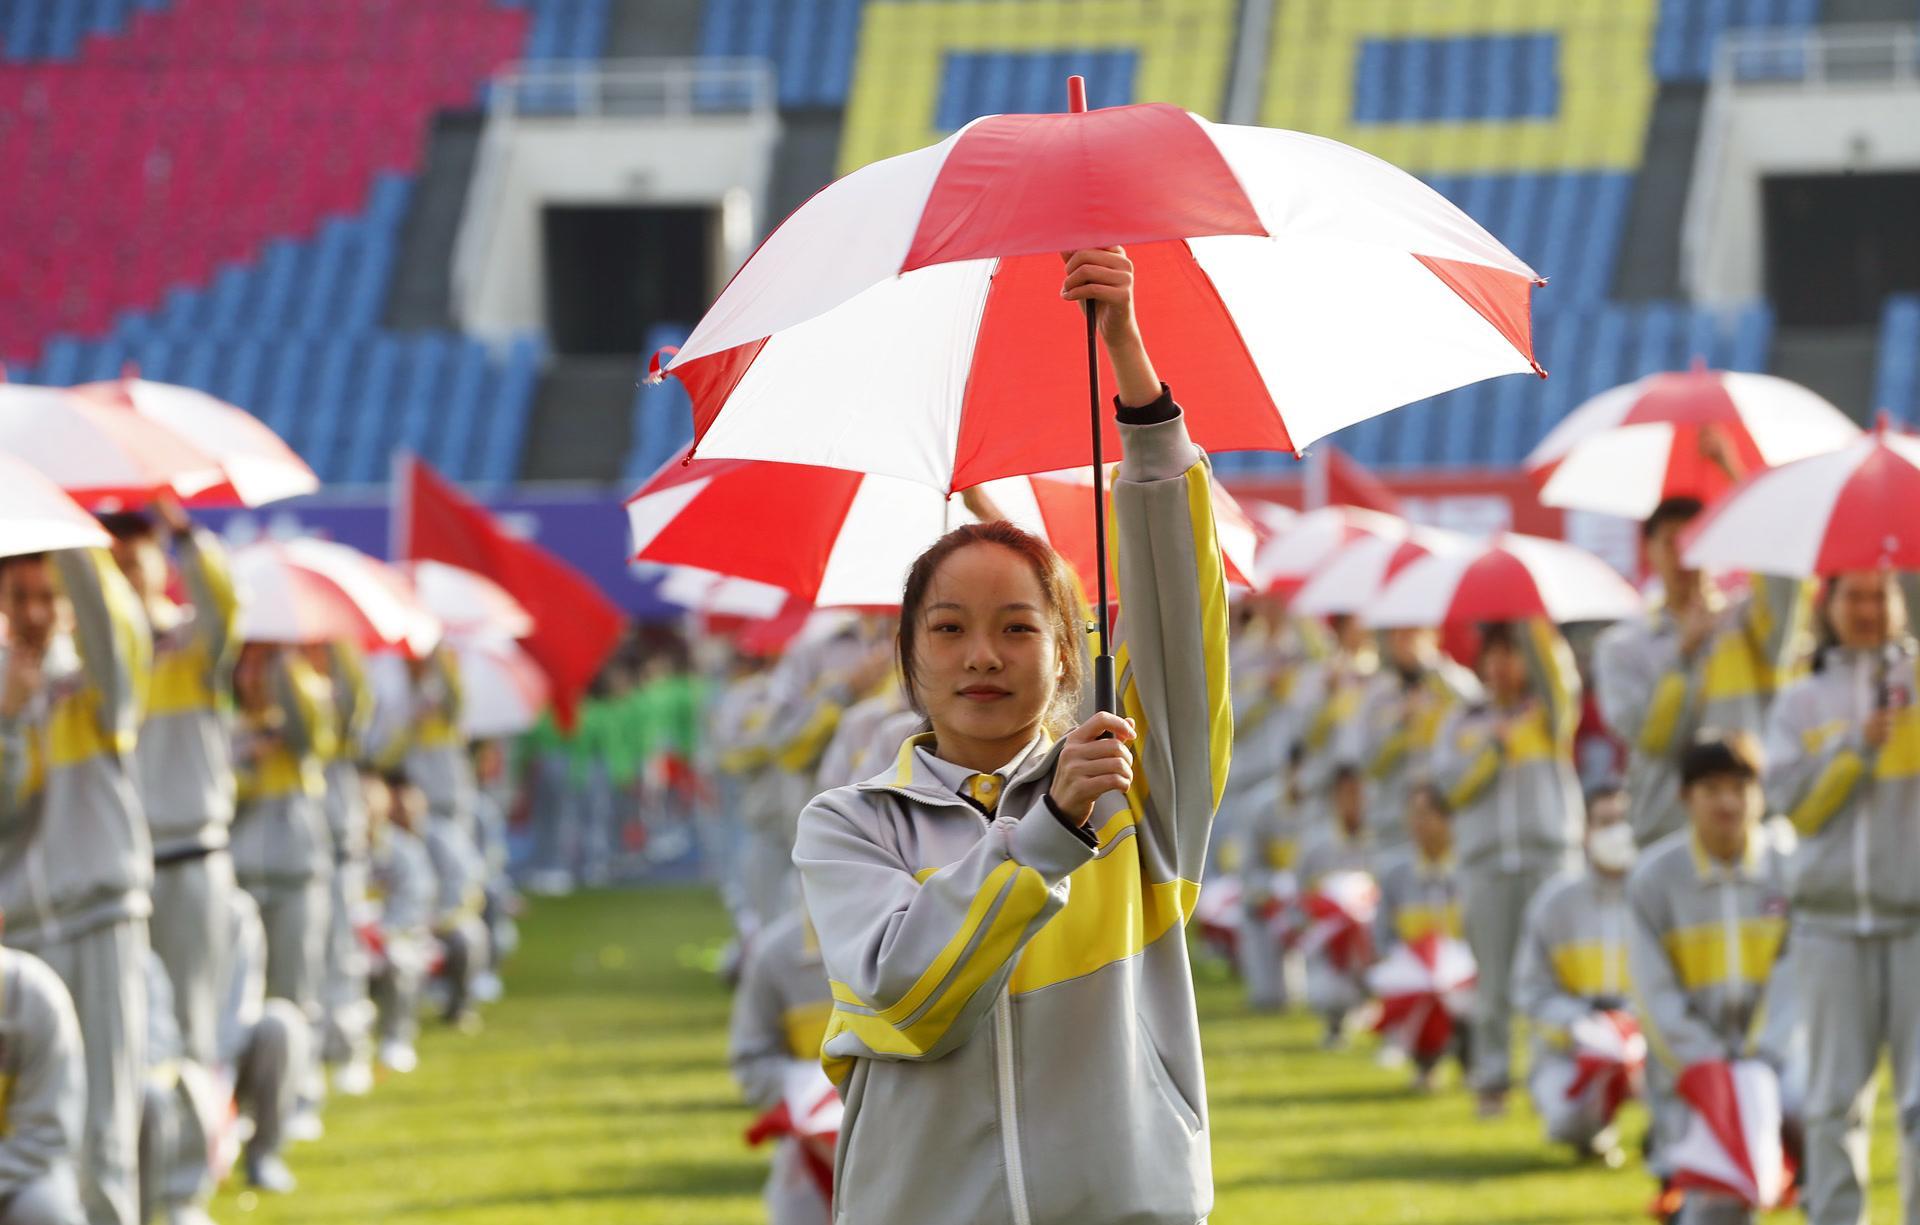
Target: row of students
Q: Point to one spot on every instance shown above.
(184, 846)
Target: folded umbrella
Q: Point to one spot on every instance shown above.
(256, 467)
(1507, 578)
(1610, 1058)
(810, 1111)
(1628, 448)
(1424, 987)
(1732, 1143)
(1339, 915)
(1850, 509)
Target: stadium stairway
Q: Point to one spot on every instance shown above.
(642, 29)
(1837, 362)
(1649, 267)
(1866, 12)
(420, 294)
(582, 420)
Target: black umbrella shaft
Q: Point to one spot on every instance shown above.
(1103, 680)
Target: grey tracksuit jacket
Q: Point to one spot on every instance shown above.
(185, 756)
(75, 855)
(280, 831)
(1392, 735)
(1856, 809)
(1657, 700)
(1573, 956)
(1418, 896)
(1517, 806)
(43, 1093)
(1014, 1029)
(1703, 942)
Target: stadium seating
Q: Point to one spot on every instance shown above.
(1897, 382)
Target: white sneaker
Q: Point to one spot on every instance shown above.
(399, 1057)
(355, 1079)
(305, 1125)
(270, 1174)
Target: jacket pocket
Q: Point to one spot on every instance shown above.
(1163, 1080)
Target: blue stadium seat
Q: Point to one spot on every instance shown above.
(1897, 379)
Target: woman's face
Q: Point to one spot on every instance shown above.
(986, 664)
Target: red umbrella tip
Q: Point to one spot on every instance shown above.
(655, 373)
(1883, 422)
(130, 370)
(1076, 94)
(1698, 365)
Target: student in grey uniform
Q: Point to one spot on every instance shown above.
(1693, 660)
(403, 881)
(264, 1045)
(178, 1115)
(346, 1015)
(75, 856)
(1572, 964)
(1323, 707)
(1402, 709)
(44, 1070)
(1001, 918)
(1706, 919)
(1420, 897)
(457, 899)
(779, 1016)
(1507, 768)
(1333, 992)
(282, 849)
(185, 764)
(1844, 766)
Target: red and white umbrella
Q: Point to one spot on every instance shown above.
(1354, 577)
(1610, 1059)
(1628, 448)
(1507, 578)
(256, 466)
(502, 690)
(1339, 915)
(1424, 988)
(846, 539)
(1053, 505)
(907, 319)
(467, 602)
(37, 516)
(810, 1111)
(97, 452)
(703, 591)
(1851, 509)
(1287, 561)
(304, 591)
(1732, 1143)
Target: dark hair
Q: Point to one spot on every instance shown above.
(1717, 754)
(1598, 792)
(1498, 634)
(7, 563)
(1346, 772)
(1434, 795)
(1057, 588)
(1681, 510)
(127, 525)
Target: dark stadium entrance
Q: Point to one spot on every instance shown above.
(1839, 244)
(615, 272)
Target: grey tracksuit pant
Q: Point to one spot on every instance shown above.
(1494, 912)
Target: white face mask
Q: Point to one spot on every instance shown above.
(1611, 847)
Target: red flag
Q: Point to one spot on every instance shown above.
(1337, 479)
(575, 627)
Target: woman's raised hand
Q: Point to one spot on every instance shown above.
(1094, 760)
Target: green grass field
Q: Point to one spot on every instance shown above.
(598, 1092)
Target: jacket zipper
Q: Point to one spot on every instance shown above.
(1009, 1112)
(1730, 917)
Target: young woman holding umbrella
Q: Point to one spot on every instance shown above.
(1000, 913)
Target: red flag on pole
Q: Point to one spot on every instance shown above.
(1335, 478)
(575, 626)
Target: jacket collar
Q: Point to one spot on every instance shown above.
(916, 772)
(1707, 868)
